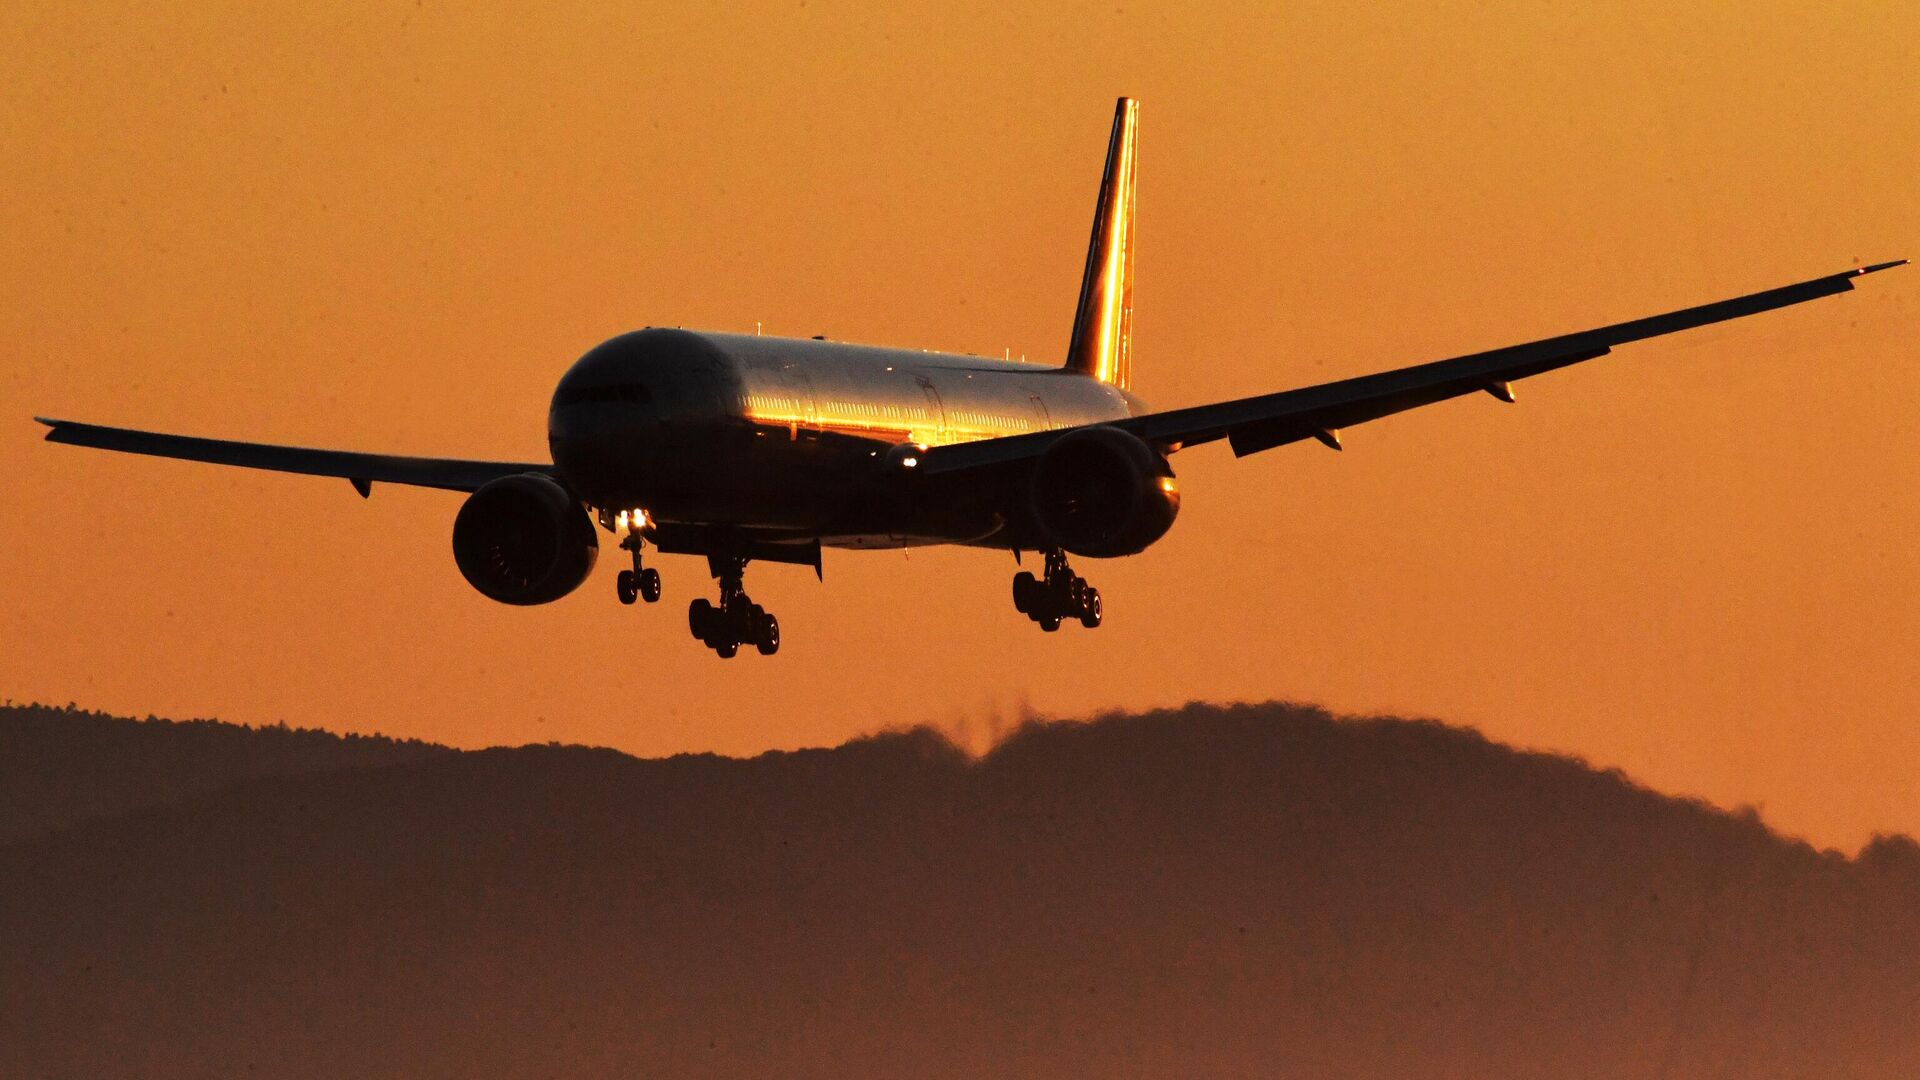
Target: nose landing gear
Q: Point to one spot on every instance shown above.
(1061, 594)
(736, 620)
(640, 582)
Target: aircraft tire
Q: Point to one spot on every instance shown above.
(625, 587)
(1025, 585)
(766, 636)
(649, 585)
(1090, 609)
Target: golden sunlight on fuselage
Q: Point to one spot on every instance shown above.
(886, 422)
(893, 396)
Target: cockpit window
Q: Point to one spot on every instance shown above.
(633, 392)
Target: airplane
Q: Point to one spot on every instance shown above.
(745, 448)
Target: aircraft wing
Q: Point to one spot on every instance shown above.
(362, 470)
(1269, 420)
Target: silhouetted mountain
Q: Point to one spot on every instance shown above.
(1247, 891)
(62, 766)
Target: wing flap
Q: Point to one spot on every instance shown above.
(362, 470)
(1371, 402)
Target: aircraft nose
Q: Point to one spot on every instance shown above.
(628, 401)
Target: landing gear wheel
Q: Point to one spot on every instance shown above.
(1090, 609)
(736, 620)
(639, 582)
(1057, 595)
(1025, 587)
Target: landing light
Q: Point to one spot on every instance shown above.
(905, 457)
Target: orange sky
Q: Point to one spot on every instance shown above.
(392, 227)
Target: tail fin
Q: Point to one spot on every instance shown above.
(1102, 344)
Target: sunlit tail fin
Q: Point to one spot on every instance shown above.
(1102, 344)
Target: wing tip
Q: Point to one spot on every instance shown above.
(1862, 271)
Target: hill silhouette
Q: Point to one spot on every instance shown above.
(1212, 891)
(62, 766)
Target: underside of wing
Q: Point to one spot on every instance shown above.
(362, 470)
(1269, 420)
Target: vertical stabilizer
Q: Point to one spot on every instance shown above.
(1102, 344)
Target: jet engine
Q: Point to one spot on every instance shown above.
(524, 540)
(1101, 492)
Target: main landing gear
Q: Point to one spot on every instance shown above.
(640, 582)
(736, 620)
(1061, 594)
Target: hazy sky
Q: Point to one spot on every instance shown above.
(391, 227)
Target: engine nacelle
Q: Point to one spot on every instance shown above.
(524, 540)
(1101, 492)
